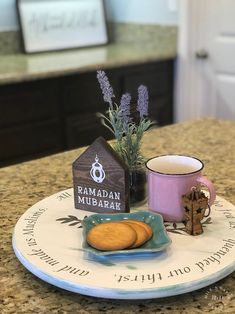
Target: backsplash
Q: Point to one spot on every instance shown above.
(126, 32)
(10, 42)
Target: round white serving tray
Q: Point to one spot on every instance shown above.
(52, 250)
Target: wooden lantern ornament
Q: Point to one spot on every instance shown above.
(195, 204)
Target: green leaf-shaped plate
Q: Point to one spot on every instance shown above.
(159, 241)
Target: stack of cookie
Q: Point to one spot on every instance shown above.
(119, 235)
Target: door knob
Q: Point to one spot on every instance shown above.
(201, 54)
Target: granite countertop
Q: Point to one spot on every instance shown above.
(21, 67)
(25, 184)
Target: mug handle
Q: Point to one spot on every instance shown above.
(207, 183)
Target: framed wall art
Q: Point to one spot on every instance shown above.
(61, 24)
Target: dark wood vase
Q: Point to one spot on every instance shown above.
(137, 186)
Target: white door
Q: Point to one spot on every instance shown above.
(205, 83)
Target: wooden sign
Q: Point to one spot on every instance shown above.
(101, 180)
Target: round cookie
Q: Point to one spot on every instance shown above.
(142, 235)
(147, 227)
(111, 236)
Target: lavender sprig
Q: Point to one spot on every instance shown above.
(125, 109)
(128, 134)
(106, 88)
(143, 99)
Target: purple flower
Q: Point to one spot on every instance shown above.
(105, 86)
(143, 99)
(125, 108)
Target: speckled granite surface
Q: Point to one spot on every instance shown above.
(24, 184)
(132, 45)
(9, 42)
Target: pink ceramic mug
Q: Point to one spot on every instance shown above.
(171, 176)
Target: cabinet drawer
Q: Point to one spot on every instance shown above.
(82, 93)
(82, 130)
(160, 110)
(158, 81)
(29, 139)
(23, 103)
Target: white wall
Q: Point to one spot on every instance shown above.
(143, 11)
(129, 11)
(8, 17)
